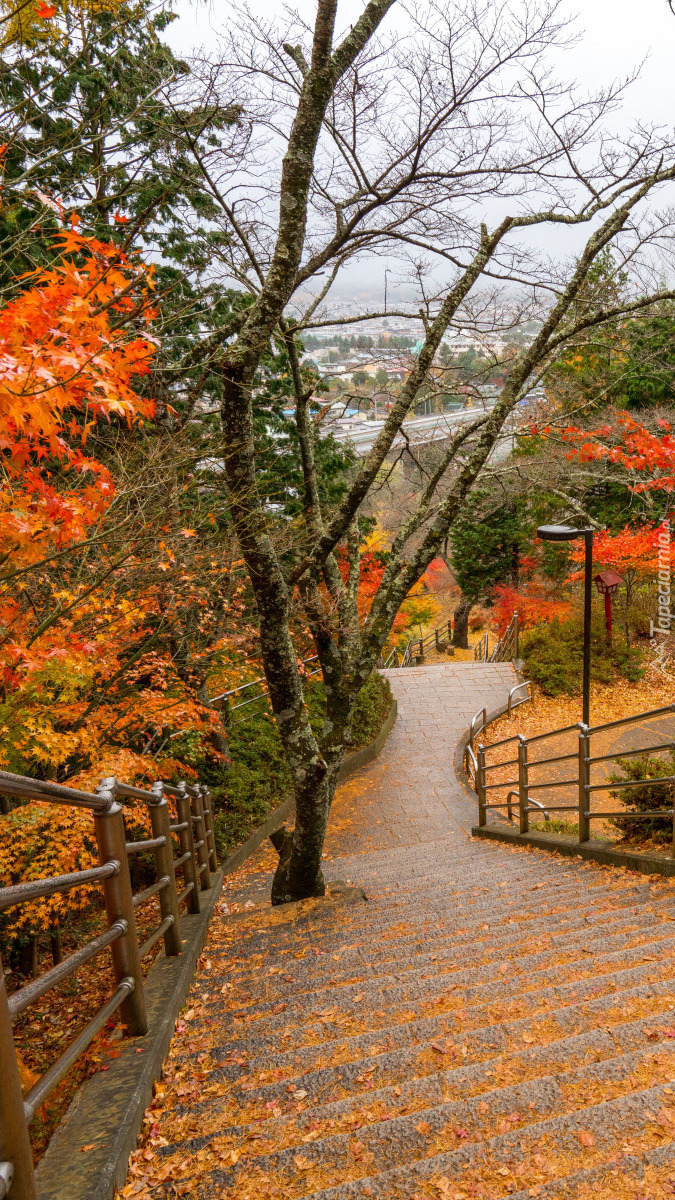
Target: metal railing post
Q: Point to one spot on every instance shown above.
(200, 845)
(111, 840)
(584, 794)
(168, 899)
(480, 786)
(187, 843)
(523, 798)
(15, 1148)
(210, 830)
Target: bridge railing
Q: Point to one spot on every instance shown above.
(188, 830)
(583, 779)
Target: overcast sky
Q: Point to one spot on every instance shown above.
(614, 36)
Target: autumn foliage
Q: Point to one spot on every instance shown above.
(629, 550)
(84, 690)
(535, 605)
(647, 454)
(66, 361)
(419, 606)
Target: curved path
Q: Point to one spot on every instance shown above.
(410, 795)
(491, 1022)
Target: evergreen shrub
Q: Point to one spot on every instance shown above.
(553, 656)
(652, 795)
(259, 778)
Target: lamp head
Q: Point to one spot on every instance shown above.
(559, 533)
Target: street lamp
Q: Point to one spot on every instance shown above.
(565, 533)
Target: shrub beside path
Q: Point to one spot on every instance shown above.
(490, 1022)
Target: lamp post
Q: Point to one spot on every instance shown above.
(565, 533)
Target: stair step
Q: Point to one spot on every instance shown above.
(497, 1024)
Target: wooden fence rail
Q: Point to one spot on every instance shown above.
(183, 843)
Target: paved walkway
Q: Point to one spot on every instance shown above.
(491, 1023)
(410, 793)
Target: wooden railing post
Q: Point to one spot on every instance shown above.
(515, 636)
(480, 786)
(187, 844)
(523, 798)
(168, 899)
(16, 1158)
(584, 794)
(111, 840)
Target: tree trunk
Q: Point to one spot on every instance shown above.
(299, 873)
(29, 957)
(460, 637)
(56, 944)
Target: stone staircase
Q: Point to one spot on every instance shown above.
(489, 1022)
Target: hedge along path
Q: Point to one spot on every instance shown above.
(491, 1022)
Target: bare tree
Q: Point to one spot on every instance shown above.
(445, 140)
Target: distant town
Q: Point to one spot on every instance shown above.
(362, 372)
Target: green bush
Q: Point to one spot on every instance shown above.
(259, 778)
(553, 656)
(652, 795)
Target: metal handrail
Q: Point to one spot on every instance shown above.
(630, 753)
(527, 683)
(507, 646)
(482, 712)
(480, 650)
(194, 830)
(655, 712)
(42, 789)
(581, 781)
(540, 737)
